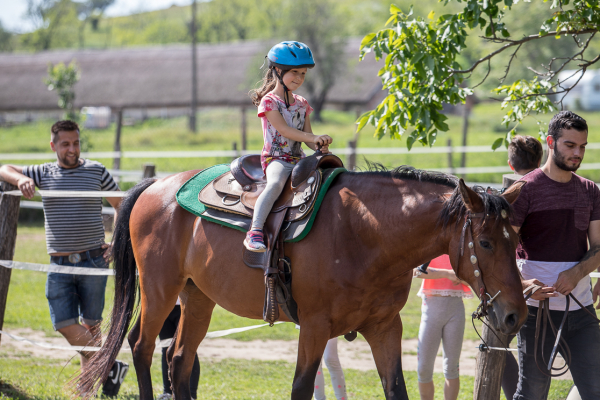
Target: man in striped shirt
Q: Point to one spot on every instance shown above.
(74, 237)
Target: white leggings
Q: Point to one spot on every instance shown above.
(332, 361)
(442, 319)
(277, 174)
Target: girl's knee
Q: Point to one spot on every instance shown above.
(451, 372)
(333, 363)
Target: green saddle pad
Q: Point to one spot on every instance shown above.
(187, 196)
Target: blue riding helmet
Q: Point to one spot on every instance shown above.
(290, 54)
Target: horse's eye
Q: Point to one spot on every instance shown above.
(485, 244)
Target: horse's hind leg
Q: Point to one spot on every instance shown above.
(385, 339)
(313, 339)
(154, 311)
(196, 311)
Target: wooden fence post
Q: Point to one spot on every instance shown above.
(9, 214)
(352, 155)
(450, 163)
(244, 130)
(490, 367)
(117, 148)
(235, 149)
(149, 170)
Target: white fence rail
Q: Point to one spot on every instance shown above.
(235, 153)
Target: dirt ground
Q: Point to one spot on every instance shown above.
(354, 355)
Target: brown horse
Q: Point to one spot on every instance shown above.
(351, 273)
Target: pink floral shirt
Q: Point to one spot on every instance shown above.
(277, 147)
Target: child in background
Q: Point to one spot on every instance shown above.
(332, 361)
(286, 124)
(442, 319)
(524, 155)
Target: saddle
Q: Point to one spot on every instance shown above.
(236, 192)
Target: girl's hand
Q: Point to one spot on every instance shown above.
(322, 140)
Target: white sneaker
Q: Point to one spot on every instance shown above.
(165, 396)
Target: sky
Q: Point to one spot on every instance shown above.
(12, 11)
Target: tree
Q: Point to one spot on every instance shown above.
(90, 11)
(63, 78)
(6, 40)
(47, 16)
(321, 25)
(425, 68)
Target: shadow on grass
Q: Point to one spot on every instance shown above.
(9, 391)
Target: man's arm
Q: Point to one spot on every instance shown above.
(567, 280)
(596, 291)
(13, 175)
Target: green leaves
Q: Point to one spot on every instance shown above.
(62, 78)
(420, 57)
(422, 73)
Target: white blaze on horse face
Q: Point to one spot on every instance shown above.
(506, 235)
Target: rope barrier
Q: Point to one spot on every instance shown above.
(69, 193)
(61, 269)
(162, 343)
(93, 271)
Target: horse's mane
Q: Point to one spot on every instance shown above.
(411, 173)
(454, 207)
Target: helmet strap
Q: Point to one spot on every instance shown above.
(286, 96)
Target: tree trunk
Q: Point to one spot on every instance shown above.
(490, 367)
(9, 214)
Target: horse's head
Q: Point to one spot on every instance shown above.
(483, 252)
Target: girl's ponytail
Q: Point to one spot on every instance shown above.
(268, 83)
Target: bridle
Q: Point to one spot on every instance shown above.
(482, 309)
(467, 233)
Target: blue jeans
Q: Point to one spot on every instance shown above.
(73, 296)
(582, 334)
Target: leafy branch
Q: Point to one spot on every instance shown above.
(422, 71)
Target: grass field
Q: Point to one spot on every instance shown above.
(219, 128)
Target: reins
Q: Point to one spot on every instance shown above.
(541, 323)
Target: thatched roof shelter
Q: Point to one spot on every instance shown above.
(151, 77)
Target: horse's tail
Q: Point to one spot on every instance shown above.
(126, 288)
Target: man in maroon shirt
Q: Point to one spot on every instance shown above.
(556, 214)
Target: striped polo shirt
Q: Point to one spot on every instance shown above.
(72, 224)
(554, 218)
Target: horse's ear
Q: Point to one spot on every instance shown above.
(471, 199)
(513, 191)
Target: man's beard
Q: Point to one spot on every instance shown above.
(66, 161)
(561, 162)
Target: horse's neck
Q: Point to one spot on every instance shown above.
(400, 220)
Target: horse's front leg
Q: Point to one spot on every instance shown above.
(313, 339)
(385, 339)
